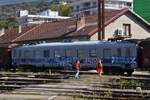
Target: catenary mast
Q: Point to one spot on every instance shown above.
(101, 20)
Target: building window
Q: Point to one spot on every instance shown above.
(127, 29)
(94, 4)
(129, 4)
(77, 8)
(86, 4)
(120, 5)
(92, 53)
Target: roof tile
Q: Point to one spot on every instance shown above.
(66, 28)
(11, 34)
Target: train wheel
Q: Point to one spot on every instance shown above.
(106, 71)
(119, 71)
(129, 72)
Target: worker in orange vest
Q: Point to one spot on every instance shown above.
(77, 66)
(99, 67)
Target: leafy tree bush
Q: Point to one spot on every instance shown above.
(8, 23)
(63, 9)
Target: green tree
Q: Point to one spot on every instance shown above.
(63, 9)
(12, 23)
(54, 7)
(8, 23)
(3, 23)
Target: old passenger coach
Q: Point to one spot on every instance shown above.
(118, 56)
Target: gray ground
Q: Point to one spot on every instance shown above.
(68, 89)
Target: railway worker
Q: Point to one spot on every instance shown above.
(99, 67)
(77, 66)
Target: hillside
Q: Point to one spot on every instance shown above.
(10, 10)
(4, 2)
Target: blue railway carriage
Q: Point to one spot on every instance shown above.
(117, 57)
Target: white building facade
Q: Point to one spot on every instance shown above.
(128, 26)
(89, 7)
(46, 16)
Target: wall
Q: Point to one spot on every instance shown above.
(138, 30)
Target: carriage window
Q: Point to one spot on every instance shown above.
(92, 53)
(14, 53)
(118, 52)
(26, 54)
(46, 53)
(56, 53)
(19, 54)
(80, 53)
(127, 52)
(106, 53)
(37, 54)
(34, 53)
(67, 53)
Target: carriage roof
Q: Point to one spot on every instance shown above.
(80, 43)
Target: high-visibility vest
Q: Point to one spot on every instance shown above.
(77, 65)
(99, 67)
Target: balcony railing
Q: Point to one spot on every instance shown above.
(86, 8)
(111, 6)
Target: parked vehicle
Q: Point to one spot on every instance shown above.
(117, 57)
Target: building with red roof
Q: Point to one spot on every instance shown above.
(122, 23)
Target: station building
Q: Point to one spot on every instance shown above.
(123, 23)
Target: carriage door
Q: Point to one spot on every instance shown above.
(106, 55)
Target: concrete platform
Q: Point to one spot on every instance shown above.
(141, 73)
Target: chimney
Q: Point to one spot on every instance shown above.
(80, 22)
(19, 29)
(2, 31)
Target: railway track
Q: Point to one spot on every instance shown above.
(88, 87)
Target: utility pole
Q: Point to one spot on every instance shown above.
(101, 19)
